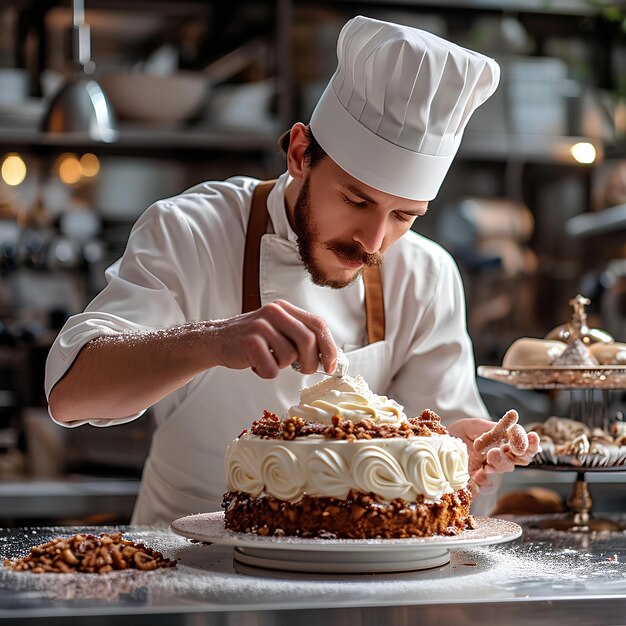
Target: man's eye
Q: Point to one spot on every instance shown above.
(354, 202)
(405, 217)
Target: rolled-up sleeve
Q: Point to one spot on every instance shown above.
(147, 289)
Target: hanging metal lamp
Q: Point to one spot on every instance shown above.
(80, 106)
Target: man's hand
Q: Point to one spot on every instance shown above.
(273, 337)
(494, 449)
(116, 376)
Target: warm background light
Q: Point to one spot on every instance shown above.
(13, 169)
(69, 168)
(584, 152)
(89, 164)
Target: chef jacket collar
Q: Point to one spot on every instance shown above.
(277, 210)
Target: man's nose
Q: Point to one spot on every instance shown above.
(370, 233)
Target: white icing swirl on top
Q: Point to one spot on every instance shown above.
(350, 398)
(389, 468)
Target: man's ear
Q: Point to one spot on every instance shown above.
(298, 143)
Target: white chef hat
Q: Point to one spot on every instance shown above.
(394, 111)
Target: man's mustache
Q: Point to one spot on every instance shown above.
(354, 252)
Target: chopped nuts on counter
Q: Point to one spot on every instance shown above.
(89, 554)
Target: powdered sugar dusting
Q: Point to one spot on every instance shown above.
(540, 564)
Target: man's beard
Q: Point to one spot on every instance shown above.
(307, 240)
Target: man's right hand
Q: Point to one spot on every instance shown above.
(116, 376)
(272, 338)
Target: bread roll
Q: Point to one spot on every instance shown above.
(529, 501)
(609, 353)
(531, 351)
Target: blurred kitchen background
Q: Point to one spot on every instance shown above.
(534, 208)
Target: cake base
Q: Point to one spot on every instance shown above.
(359, 516)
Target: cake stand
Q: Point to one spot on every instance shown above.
(589, 389)
(342, 556)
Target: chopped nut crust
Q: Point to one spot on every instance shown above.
(271, 427)
(359, 516)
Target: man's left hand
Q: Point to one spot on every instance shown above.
(494, 448)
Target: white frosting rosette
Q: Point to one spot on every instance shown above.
(281, 473)
(375, 470)
(454, 462)
(329, 474)
(424, 470)
(242, 471)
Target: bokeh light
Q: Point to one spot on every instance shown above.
(583, 152)
(13, 169)
(68, 167)
(89, 165)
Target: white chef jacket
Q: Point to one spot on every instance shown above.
(183, 262)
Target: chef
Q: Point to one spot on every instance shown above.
(223, 287)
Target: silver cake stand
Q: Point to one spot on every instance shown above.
(589, 389)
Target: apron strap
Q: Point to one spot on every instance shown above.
(251, 295)
(374, 304)
(257, 227)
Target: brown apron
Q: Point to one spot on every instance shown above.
(185, 470)
(251, 296)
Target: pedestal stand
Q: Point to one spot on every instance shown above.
(580, 504)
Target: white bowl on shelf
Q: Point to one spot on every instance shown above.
(155, 98)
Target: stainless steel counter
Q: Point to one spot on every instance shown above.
(542, 578)
(74, 497)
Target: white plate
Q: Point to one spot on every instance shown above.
(343, 555)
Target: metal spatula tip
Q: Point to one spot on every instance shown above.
(340, 371)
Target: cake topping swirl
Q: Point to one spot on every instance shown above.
(349, 398)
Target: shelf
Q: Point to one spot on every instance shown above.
(556, 7)
(475, 146)
(600, 223)
(528, 148)
(145, 139)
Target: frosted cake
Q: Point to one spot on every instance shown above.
(347, 463)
